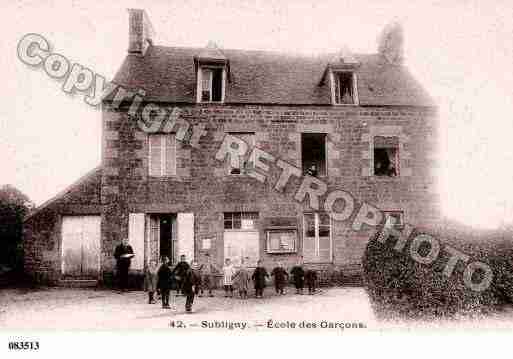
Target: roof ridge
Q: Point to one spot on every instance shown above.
(275, 52)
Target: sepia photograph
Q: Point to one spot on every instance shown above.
(280, 167)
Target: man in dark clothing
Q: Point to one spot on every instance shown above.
(280, 278)
(311, 279)
(258, 277)
(123, 254)
(179, 272)
(298, 276)
(186, 281)
(164, 282)
(189, 281)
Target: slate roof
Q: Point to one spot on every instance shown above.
(261, 77)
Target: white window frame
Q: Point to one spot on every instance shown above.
(316, 226)
(199, 87)
(334, 78)
(163, 153)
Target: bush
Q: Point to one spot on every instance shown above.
(399, 287)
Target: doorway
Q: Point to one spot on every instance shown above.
(80, 248)
(162, 236)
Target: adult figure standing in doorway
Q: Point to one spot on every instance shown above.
(123, 254)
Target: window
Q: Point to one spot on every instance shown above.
(162, 155)
(211, 84)
(281, 240)
(313, 154)
(386, 156)
(317, 237)
(240, 220)
(394, 218)
(345, 88)
(245, 163)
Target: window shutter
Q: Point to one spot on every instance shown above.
(186, 235)
(136, 238)
(155, 155)
(170, 155)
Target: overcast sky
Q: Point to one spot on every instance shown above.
(461, 51)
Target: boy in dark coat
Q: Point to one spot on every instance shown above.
(280, 278)
(186, 280)
(311, 279)
(189, 281)
(164, 282)
(258, 277)
(298, 276)
(179, 272)
(198, 285)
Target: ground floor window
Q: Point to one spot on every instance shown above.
(240, 220)
(394, 218)
(317, 243)
(241, 237)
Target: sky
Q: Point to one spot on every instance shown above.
(460, 51)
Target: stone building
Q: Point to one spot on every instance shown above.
(355, 122)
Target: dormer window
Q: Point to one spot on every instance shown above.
(212, 72)
(344, 88)
(340, 75)
(212, 84)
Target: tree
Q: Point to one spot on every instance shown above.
(391, 43)
(14, 206)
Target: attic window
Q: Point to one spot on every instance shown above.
(211, 86)
(345, 88)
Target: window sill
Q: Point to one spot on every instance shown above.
(241, 230)
(321, 177)
(346, 104)
(281, 252)
(166, 178)
(384, 178)
(210, 103)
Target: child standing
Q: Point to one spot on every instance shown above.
(298, 276)
(208, 276)
(189, 281)
(228, 273)
(150, 280)
(164, 282)
(196, 270)
(242, 280)
(280, 278)
(311, 279)
(258, 277)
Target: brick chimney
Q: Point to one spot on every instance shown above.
(140, 31)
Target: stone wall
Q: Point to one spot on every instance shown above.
(202, 185)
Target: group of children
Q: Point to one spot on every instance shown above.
(194, 279)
